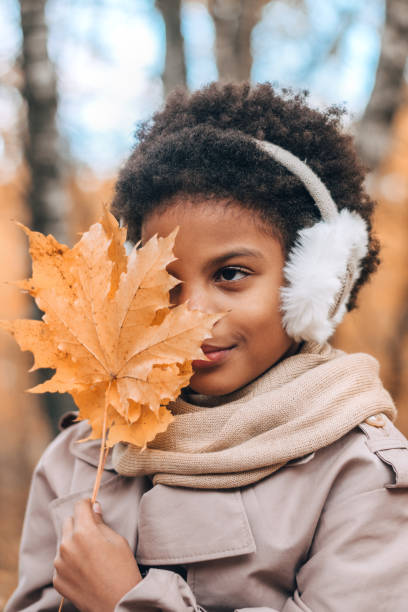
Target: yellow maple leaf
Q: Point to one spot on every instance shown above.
(109, 331)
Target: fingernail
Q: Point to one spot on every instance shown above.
(376, 420)
(96, 507)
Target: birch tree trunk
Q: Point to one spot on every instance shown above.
(175, 68)
(373, 131)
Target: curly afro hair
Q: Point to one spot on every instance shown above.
(200, 146)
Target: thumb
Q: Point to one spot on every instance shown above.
(97, 510)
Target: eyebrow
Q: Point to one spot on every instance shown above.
(241, 252)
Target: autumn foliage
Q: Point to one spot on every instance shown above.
(109, 330)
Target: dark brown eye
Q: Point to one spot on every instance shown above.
(230, 273)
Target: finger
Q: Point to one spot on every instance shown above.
(67, 528)
(97, 510)
(83, 515)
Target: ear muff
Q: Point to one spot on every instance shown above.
(325, 262)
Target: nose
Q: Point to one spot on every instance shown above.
(198, 298)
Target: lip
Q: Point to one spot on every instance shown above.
(214, 354)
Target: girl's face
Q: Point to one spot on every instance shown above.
(227, 263)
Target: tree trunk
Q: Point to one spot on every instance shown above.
(234, 21)
(373, 131)
(46, 196)
(175, 68)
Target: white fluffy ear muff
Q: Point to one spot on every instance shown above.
(325, 262)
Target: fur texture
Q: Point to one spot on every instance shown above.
(316, 275)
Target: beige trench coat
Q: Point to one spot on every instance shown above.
(327, 533)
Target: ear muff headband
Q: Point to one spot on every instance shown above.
(325, 262)
(318, 190)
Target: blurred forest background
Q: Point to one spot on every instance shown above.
(75, 78)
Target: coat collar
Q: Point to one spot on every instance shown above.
(89, 451)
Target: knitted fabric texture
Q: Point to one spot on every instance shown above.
(304, 403)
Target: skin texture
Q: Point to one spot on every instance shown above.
(245, 286)
(95, 566)
(228, 261)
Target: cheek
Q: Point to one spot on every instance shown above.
(259, 317)
(265, 339)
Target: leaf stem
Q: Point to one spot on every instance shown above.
(103, 453)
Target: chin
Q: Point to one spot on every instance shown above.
(211, 384)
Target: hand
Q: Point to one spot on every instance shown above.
(95, 566)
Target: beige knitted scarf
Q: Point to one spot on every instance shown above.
(302, 404)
